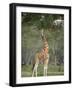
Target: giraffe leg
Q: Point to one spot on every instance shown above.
(36, 69)
(44, 70)
(46, 64)
(33, 72)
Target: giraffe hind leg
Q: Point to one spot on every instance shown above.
(35, 65)
(32, 73)
(33, 70)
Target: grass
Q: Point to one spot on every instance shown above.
(26, 70)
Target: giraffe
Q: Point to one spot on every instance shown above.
(42, 56)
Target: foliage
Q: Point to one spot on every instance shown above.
(52, 70)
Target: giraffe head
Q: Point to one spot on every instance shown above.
(43, 36)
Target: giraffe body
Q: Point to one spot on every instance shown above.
(41, 57)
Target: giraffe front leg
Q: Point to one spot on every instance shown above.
(44, 70)
(46, 65)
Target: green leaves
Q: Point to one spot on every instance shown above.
(39, 20)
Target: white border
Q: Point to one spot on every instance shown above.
(19, 79)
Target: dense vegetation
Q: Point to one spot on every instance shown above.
(32, 24)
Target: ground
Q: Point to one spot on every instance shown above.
(53, 70)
